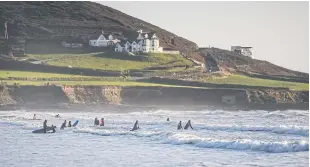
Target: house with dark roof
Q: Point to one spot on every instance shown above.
(104, 40)
(145, 42)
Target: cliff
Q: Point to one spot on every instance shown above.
(43, 96)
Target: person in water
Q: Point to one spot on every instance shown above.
(102, 122)
(168, 119)
(53, 127)
(34, 116)
(188, 125)
(63, 125)
(180, 125)
(96, 122)
(69, 124)
(57, 116)
(135, 127)
(44, 125)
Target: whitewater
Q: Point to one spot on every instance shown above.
(219, 138)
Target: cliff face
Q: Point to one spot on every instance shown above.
(148, 96)
(77, 21)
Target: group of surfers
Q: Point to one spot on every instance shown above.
(97, 123)
(64, 124)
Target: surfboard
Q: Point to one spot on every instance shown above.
(75, 123)
(49, 128)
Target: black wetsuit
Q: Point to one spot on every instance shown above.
(53, 128)
(63, 125)
(96, 122)
(188, 125)
(180, 125)
(135, 127)
(69, 124)
(45, 126)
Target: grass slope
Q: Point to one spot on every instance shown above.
(112, 61)
(244, 80)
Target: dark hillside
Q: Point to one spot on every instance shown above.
(61, 20)
(232, 62)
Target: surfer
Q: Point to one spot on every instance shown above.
(168, 119)
(135, 127)
(57, 116)
(188, 125)
(34, 116)
(63, 125)
(53, 128)
(44, 125)
(102, 122)
(96, 121)
(180, 125)
(69, 124)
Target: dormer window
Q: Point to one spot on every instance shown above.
(110, 37)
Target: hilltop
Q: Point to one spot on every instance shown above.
(78, 20)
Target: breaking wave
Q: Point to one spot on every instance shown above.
(292, 130)
(202, 142)
(244, 144)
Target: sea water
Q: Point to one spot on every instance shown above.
(219, 138)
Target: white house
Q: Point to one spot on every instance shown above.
(145, 42)
(246, 51)
(103, 40)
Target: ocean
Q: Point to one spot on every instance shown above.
(218, 138)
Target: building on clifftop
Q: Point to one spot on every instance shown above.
(246, 51)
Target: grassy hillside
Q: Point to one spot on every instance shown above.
(113, 61)
(249, 81)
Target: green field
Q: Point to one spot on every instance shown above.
(244, 80)
(6, 74)
(112, 61)
(33, 78)
(91, 83)
(9, 73)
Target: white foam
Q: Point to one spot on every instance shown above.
(292, 129)
(180, 138)
(244, 144)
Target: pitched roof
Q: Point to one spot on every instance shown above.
(123, 42)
